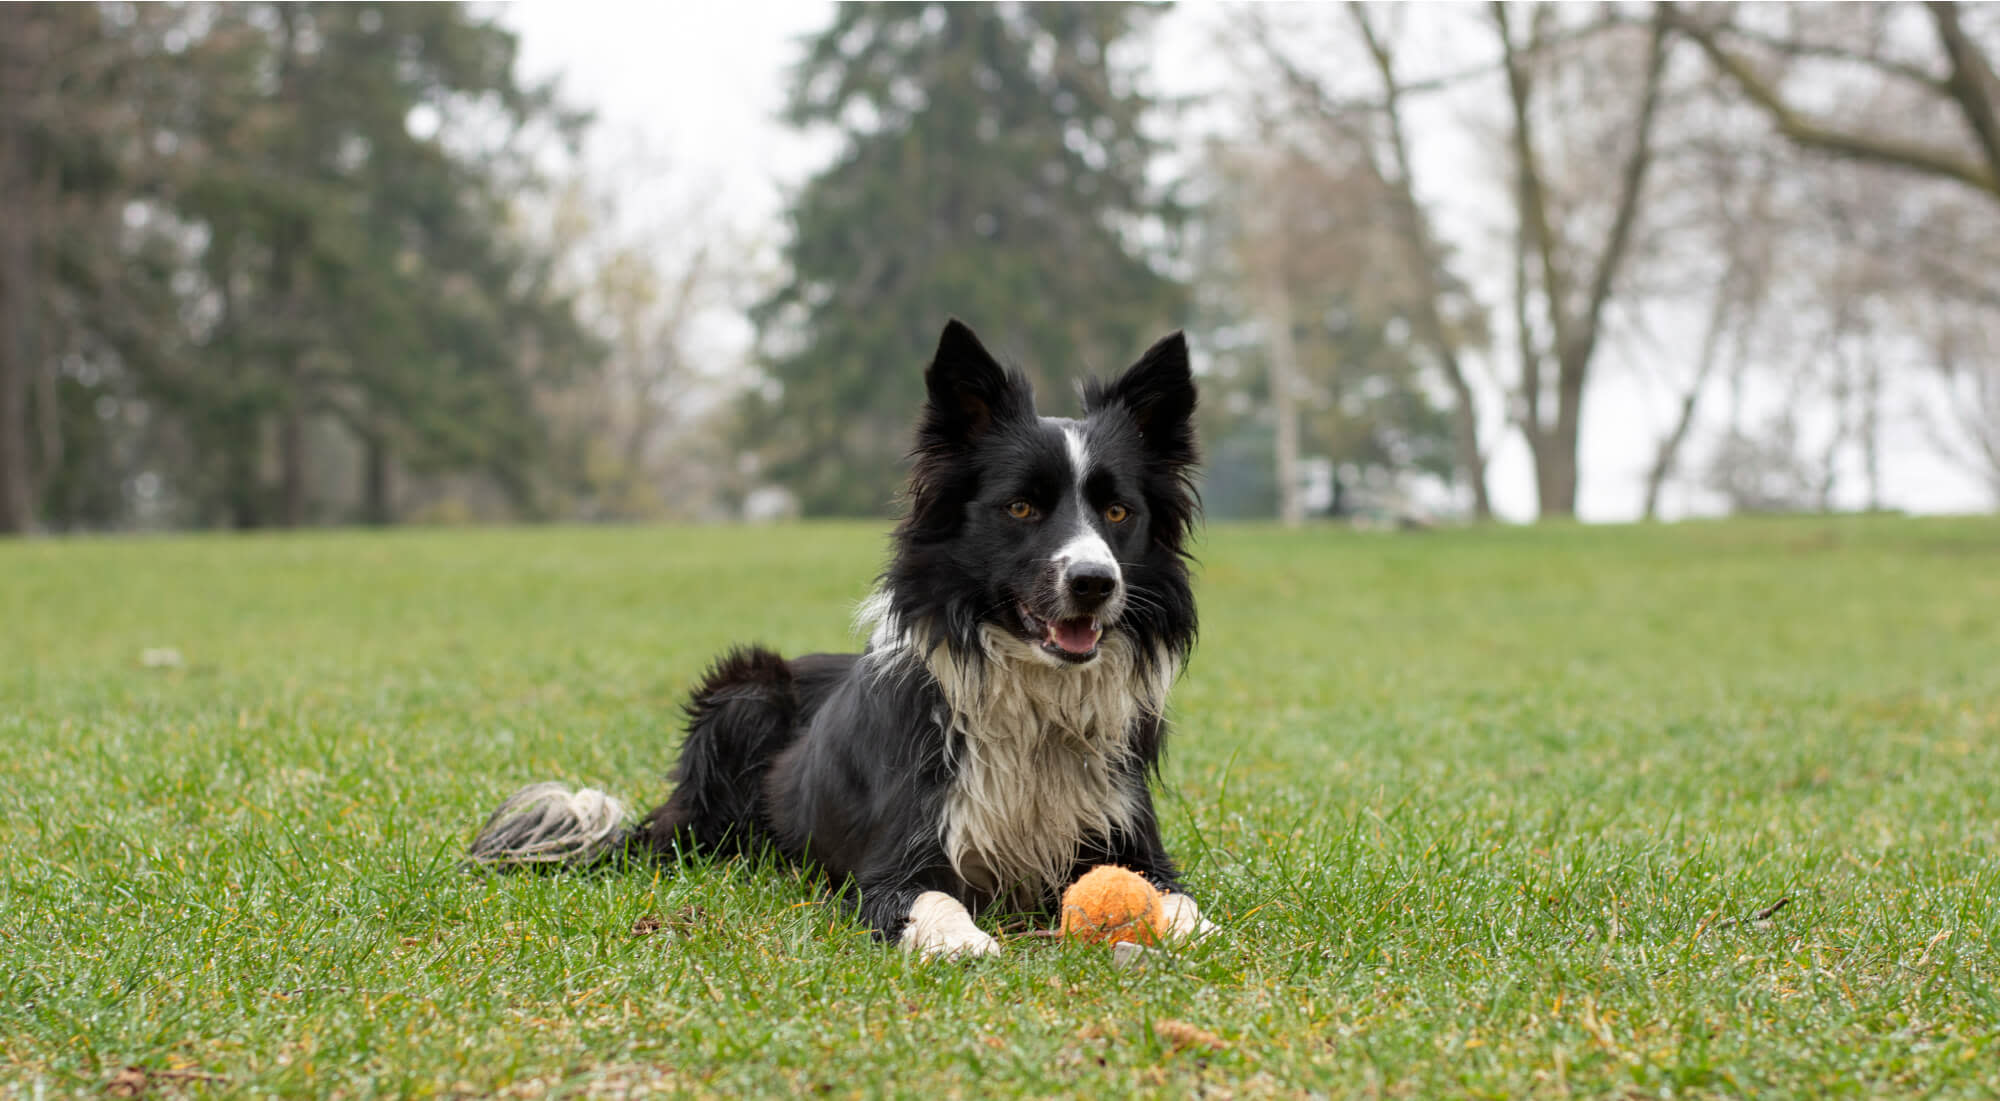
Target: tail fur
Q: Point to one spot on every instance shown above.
(548, 825)
(744, 713)
(739, 718)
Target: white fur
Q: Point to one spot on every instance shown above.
(941, 928)
(1086, 546)
(1079, 455)
(1039, 744)
(876, 616)
(547, 823)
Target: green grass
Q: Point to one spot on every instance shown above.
(1474, 809)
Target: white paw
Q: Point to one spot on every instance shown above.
(1183, 917)
(941, 928)
(957, 945)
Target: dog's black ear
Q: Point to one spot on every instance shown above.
(969, 391)
(1158, 394)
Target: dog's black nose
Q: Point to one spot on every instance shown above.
(1091, 584)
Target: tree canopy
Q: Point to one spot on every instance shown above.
(289, 221)
(994, 165)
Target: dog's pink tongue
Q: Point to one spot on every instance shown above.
(1078, 636)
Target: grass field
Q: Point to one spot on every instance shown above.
(1486, 813)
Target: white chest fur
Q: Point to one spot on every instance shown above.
(1039, 750)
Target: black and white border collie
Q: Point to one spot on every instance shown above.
(997, 737)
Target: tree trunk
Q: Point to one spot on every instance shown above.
(376, 505)
(1284, 393)
(1424, 261)
(288, 244)
(1558, 482)
(17, 512)
(1465, 438)
(1871, 427)
(17, 309)
(1555, 476)
(1667, 454)
(1573, 336)
(240, 483)
(292, 454)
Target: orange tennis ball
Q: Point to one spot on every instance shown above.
(1111, 904)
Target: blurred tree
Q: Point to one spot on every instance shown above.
(1563, 278)
(1899, 106)
(235, 229)
(1966, 348)
(1302, 243)
(1442, 307)
(23, 40)
(994, 167)
(1959, 82)
(84, 298)
(1571, 89)
(352, 170)
(1443, 320)
(647, 433)
(1662, 223)
(1723, 220)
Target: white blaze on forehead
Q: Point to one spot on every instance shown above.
(1079, 455)
(1086, 545)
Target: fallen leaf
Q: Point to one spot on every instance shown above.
(1180, 1035)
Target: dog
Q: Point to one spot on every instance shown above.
(998, 736)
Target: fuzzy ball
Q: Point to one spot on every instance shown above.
(1111, 904)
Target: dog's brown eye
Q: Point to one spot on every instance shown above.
(1117, 514)
(1020, 510)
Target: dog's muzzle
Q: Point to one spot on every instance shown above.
(1087, 594)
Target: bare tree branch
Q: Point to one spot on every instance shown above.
(1574, 336)
(1631, 183)
(1721, 308)
(1533, 195)
(1326, 103)
(1972, 85)
(1526, 410)
(1877, 149)
(1828, 51)
(1424, 259)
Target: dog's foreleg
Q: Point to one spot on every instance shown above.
(940, 927)
(1139, 848)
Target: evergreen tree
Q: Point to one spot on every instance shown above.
(235, 233)
(85, 301)
(994, 167)
(352, 168)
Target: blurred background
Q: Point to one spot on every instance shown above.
(271, 265)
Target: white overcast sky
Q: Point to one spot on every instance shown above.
(697, 88)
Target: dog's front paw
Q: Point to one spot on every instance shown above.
(940, 927)
(1183, 918)
(965, 945)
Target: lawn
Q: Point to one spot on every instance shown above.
(1483, 813)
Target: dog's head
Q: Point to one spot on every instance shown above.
(1055, 531)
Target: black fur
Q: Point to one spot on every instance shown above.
(847, 762)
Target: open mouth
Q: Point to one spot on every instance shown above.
(1072, 639)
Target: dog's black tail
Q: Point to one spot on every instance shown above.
(744, 712)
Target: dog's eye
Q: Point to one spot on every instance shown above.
(1020, 510)
(1117, 514)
